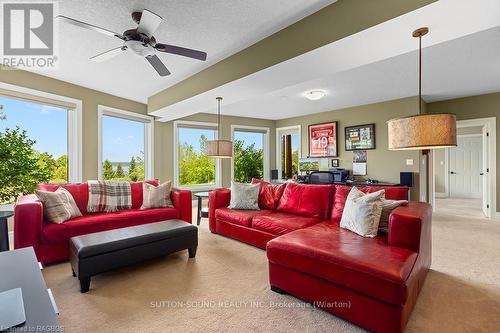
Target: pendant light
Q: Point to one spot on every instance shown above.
(422, 131)
(219, 148)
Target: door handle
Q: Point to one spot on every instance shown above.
(481, 174)
(453, 173)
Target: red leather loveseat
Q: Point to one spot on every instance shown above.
(50, 240)
(373, 282)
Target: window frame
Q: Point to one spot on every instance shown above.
(266, 145)
(148, 121)
(203, 125)
(286, 130)
(74, 127)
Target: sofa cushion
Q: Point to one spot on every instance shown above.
(244, 196)
(137, 192)
(387, 207)
(58, 206)
(367, 265)
(56, 233)
(391, 192)
(308, 200)
(342, 191)
(156, 196)
(79, 191)
(238, 216)
(269, 194)
(278, 223)
(362, 212)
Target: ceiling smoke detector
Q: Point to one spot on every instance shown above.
(314, 95)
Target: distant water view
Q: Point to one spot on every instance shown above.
(125, 166)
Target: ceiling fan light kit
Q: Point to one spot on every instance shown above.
(422, 131)
(139, 40)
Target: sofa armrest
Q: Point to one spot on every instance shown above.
(182, 201)
(410, 227)
(28, 222)
(217, 199)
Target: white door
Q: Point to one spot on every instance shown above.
(465, 162)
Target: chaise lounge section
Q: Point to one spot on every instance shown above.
(51, 241)
(373, 282)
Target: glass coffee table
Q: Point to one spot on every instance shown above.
(202, 211)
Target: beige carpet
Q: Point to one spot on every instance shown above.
(225, 289)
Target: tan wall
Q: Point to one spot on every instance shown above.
(440, 172)
(481, 106)
(90, 99)
(382, 164)
(164, 134)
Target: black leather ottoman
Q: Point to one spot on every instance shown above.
(103, 251)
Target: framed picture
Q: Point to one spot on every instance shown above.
(323, 140)
(335, 163)
(360, 137)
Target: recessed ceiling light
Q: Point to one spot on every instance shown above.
(315, 94)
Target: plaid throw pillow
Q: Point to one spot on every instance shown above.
(58, 206)
(108, 196)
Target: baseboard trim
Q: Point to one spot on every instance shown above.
(440, 195)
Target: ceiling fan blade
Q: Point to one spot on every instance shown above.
(108, 54)
(88, 26)
(190, 53)
(149, 23)
(158, 65)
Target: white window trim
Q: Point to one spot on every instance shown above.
(103, 110)
(196, 188)
(74, 128)
(266, 146)
(278, 143)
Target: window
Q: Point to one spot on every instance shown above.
(47, 126)
(125, 145)
(192, 168)
(250, 153)
(40, 140)
(287, 151)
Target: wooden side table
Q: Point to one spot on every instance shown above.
(202, 211)
(4, 231)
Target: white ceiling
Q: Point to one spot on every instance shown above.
(378, 64)
(463, 67)
(218, 27)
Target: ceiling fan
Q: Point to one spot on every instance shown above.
(140, 40)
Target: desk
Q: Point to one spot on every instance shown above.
(20, 269)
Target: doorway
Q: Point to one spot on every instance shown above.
(466, 175)
(288, 151)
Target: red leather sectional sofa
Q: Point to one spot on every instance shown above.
(373, 282)
(50, 240)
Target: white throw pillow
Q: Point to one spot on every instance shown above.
(387, 207)
(58, 206)
(362, 212)
(156, 196)
(244, 196)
